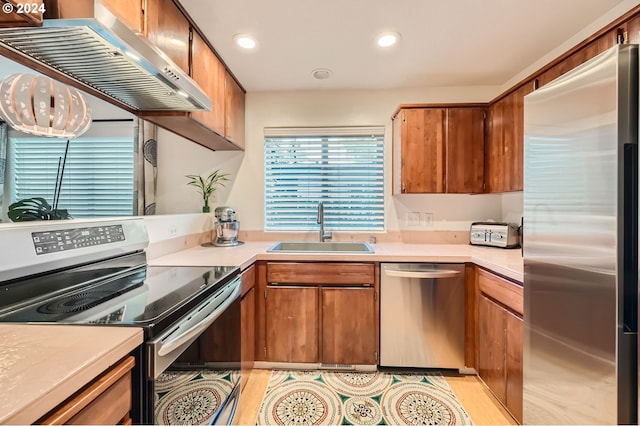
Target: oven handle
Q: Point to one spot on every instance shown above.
(195, 330)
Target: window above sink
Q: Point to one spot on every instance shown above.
(343, 167)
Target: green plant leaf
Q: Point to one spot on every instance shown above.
(207, 186)
(36, 208)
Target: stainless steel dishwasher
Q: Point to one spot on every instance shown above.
(422, 315)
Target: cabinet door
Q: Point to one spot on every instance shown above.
(465, 150)
(516, 140)
(505, 142)
(208, 72)
(494, 148)
(514, 365)
(348, 326)
(292, 324)
(168, 29)
(129, 12)
(422, 150)
(107, 400)
(492, 346)
(234, 111)
(248, 333)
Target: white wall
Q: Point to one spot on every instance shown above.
(178, 157)
(512, 206)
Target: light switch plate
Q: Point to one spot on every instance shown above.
(413, 218)
(427, 220)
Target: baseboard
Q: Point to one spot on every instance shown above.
(468, 371)
(265, 365)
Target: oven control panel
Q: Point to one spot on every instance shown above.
(69, 239)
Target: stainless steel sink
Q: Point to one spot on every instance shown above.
(318, 247)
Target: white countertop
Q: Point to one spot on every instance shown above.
(506, 262)
(42, 365)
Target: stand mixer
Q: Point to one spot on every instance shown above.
(226, 228)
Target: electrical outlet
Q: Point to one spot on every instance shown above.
(173, 230)
(214, 198)
(427, 220)
(413, 219)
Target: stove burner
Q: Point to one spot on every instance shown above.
(76, 302)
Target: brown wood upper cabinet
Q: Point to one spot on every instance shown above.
(209, 73)
(505, 142)
(438, 149)
(129, 12)
(165, 26)
(233, 111)
(168, 29)
(222, 128)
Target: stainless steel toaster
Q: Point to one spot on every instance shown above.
(495, 234)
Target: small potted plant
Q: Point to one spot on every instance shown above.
(208, 185)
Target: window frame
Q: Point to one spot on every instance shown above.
(357, 206)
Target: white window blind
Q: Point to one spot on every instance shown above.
(98, 177)
(342, 167)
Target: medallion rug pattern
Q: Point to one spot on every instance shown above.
(191, 397)
(354, 398)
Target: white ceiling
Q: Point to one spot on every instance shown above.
(444, 42)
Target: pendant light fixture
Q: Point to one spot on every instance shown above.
(41, 106)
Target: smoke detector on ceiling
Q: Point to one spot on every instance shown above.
(321, 73)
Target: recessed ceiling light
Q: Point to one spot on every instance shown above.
(245, 41)
(388, 39)
(321, 73)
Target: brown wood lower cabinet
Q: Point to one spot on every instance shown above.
(319, 312)
(106, 400)
(248, 323)
(493, 346)
(292, 324)
(348, 315)
(514, 364)
(500, 340)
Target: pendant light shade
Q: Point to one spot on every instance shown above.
(41, 106)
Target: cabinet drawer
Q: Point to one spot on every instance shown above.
(506, 292)
(107, 400)
(321, 273)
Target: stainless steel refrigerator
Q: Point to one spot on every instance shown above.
(581, 244)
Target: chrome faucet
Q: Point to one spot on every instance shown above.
(323, 235)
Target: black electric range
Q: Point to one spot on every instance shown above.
(96, 274)
(121, 291)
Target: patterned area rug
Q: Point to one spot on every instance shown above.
(191, 397)
(353, 398)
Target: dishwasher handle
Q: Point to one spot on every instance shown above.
(436, 273)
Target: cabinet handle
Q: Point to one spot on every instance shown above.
(404, 187)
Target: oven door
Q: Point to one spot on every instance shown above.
(201, 349)
(172, 343)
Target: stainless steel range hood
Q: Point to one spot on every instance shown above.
(101, 52)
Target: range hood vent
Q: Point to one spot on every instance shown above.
(111, 59)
